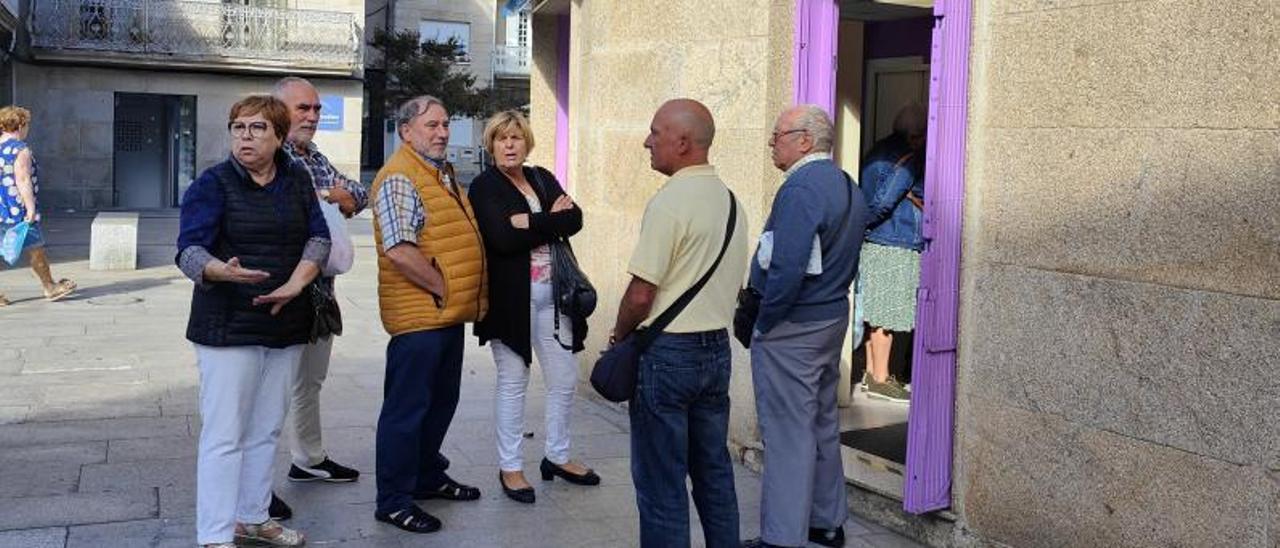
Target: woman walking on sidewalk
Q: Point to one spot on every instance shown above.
(252, 238)
(19, 183)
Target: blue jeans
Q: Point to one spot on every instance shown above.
(679, 428)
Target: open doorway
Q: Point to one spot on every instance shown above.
(153, 149)
(883, 70)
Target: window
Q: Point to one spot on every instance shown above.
(522, 34)
(441, 31)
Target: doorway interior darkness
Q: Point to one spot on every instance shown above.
(153, 149)
(926, 475)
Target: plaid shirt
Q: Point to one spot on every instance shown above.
(400, 214)
(324, 176)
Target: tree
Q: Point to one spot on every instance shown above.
(414, 68)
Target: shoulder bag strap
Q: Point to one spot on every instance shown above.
(680, 303)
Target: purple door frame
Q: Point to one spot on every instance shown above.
(930, 432)
(562, 100)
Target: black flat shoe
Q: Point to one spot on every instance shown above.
(550, 471)
(411, 519)
(278, 510)
(832, 538)
(524, 495)
(450, 490)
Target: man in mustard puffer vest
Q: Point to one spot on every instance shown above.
(431, 281)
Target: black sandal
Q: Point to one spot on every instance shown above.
(451, 490)
(411, 519)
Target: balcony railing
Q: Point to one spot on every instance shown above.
(199, 32)
(511, 62)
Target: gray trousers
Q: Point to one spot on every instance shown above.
(795, 368)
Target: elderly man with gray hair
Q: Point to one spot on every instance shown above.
(431, 281)
(803, 267)
(310, 461)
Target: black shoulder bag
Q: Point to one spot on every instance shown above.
(614, 375)
(574, 296)
(748, 311)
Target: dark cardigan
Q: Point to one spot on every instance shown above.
(495, 199)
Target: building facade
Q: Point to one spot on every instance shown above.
(1099, 310)
(494, 35)
(130, 97)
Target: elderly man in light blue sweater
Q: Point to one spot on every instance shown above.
(803, 268)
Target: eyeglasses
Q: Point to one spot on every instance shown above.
(254, 130)
(780, 134)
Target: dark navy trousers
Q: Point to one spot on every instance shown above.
(419, 397)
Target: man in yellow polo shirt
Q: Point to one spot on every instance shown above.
(680, 412)
(431, 281)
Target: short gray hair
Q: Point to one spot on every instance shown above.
(814, 121)
(416, 107)
(284, 83)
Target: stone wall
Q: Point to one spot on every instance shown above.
(627, 58)
(1120, 308)
(74, 108)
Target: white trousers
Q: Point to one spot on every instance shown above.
(559, 374)
(244, 394)
(304, 411)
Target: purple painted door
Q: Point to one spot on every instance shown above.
(815, 53)
(930, 432)
(927, 485)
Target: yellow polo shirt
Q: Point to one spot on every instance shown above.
(680, 236)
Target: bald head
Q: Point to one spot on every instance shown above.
(690, 119)
(680, 135)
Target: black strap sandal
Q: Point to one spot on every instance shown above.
(411, 519)
(451, 490)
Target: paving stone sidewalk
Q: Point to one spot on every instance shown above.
(99, 422)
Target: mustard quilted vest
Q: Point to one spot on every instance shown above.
(450, 239)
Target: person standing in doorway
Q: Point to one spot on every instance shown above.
(815, 229)
(310, 461)
(893, 186)
(432, 280)
(20, 184)
(680, 411)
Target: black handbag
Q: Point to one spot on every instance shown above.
(328, 317)
(748, 310)
(574, 294)
(614, 375)
(744, 317)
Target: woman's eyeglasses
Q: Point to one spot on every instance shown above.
(254, 130)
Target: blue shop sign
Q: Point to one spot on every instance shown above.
(330, 113)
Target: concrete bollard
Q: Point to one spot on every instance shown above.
(113, 242)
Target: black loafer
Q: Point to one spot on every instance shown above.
(411, 519)
(550, 471)
(524, 495)
(832, 538)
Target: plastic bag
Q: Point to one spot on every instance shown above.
(342, 253)
(11, 243)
